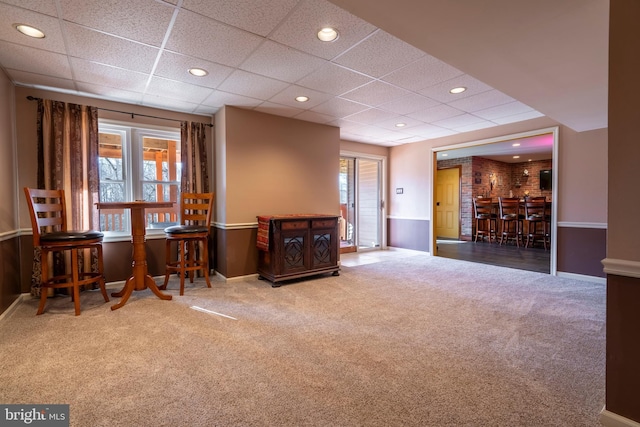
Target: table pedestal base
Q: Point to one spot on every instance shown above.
(129, 287)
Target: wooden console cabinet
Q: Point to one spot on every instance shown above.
(298, 246)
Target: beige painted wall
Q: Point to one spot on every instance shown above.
(277, 165)
(582, 186)
(8, 192)
(26, 131)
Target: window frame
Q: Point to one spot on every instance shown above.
(133, 167)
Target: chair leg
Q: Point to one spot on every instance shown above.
(75, 280)
(102, 284)
(205, 261)
(44, 275)
(182, 261)
(167, 264)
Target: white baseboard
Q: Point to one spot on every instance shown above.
(610, 419)
(583, 277)
(13, 306)
(237, 278)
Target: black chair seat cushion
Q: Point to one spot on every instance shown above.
(71, 236)
(186, 229)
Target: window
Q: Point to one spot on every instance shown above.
(138, 164)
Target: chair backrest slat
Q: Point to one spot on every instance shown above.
(196, 208)
(47, 209)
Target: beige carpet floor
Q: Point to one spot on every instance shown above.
(417, 341)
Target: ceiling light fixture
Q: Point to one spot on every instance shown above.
(400, 125)
(515, 144)
(444, 155)
(198, 72)
(302, 98)
(30, 31)
(328, 34)
(457, 90)
(516, 157)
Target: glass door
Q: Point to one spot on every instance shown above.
(361, 204)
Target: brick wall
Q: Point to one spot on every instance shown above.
(508, 181)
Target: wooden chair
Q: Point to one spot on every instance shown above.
(47, 209)
(486, 220)
(510, 219)
(195, 220)
(535, 215)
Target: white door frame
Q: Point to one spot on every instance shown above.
(383, 193)
(554, 166)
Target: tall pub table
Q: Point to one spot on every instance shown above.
(140, 278)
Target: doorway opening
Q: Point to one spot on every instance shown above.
(508, 166)
(362, 206)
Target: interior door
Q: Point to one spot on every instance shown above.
(369, 203)
(448, 203)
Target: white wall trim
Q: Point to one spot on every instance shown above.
(571, 224)
(7, 235)
(583, 277)
(13, 306)
(407, 218)
(621, 267)
(611, 419)
(236, 226)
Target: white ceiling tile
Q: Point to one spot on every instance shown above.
(178, 90)
(33, 60)
(391, 123)
(110, 93)
(48, 7)
(252, 85)
(371, 116)
(312, 116)
(106, 49)
(474, 126)
(509, 109)
(202, 37)
(53, 40)
(518, 117)
(219, 99)
(375, 93)
(277, 109)
(249, 15)
(105, 75)
(408, 104)
(339, 107)
(42, 80)
(175, 67)
(430, 131)
(145, 22)
(426, 71)
(288, 95)
(206, 110)
(366, 58)
(440, 91)
(334, 79)
(439, 112)
(482, 101)
(281, 62)
(300, 29)
(169, 103)
(457, 121)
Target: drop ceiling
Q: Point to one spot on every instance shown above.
(261, 54)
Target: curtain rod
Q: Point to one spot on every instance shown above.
(32, 98)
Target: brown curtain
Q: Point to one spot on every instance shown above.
(68, 160)
(195, 175)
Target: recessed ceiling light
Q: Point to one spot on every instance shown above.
(198, 72)
(516, 157)
(328, 34)
(515, 144)
(302, 98)
(30, 31)
(458, 89)
(444, 154)
(400, 125)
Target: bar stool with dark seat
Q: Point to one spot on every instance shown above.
(510, 219)
(486, 220)
(195, 220)
(47, 209)
(535, 215)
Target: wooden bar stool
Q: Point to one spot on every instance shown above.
(47, 209)
(486, 220)
(510, 219)
(195, 221)
(535, 215)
